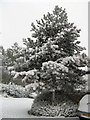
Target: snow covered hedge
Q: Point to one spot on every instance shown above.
(64, 106)
(16, 91)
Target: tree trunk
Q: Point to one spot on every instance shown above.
(53, 97)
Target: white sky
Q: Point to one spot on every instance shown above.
(17, 15)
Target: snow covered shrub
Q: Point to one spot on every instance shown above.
(63, 106)
(16, 91)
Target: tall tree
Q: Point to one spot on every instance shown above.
(4, 73)
(54, 53)
(57, 41)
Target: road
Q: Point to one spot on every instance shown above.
(18, 108)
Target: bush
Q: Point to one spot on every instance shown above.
(64, 106)
(15, 91)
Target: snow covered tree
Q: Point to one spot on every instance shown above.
(53, 55)
(56, 53)
(56, 40)
(4, 73)
(11, 60)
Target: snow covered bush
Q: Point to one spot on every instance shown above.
(16, 91)
(64, 106)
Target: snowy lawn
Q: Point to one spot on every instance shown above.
(15, 107)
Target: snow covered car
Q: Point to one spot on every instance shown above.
(84, 107)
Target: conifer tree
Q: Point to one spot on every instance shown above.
(57, 54)
(53, 55)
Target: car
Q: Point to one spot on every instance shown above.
(84, 107)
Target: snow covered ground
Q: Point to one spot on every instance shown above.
(15, 107)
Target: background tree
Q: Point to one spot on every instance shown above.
(13, 59)
(4, 73)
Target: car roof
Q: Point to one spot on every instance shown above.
(85, 98)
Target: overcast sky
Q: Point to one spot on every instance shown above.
(16, 17)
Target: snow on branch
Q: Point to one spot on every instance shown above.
(54, 66)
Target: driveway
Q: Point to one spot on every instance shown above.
(15, 107)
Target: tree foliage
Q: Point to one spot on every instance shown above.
(53, 55)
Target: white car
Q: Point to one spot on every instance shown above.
(84, 107)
